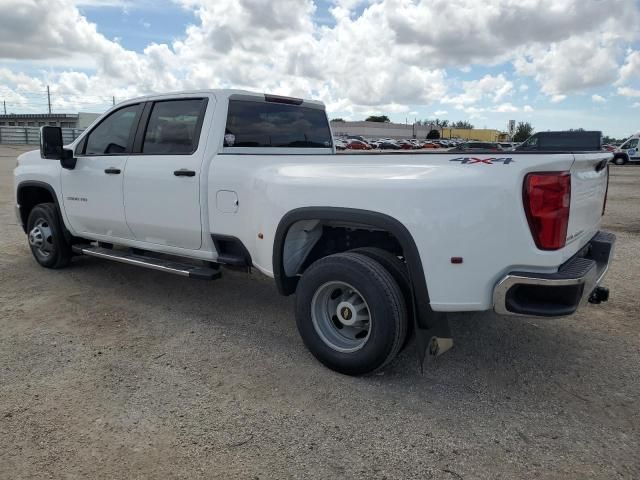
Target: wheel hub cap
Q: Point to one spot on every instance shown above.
(341, 316)
(41, 237)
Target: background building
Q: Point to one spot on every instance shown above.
(65, 120)
(400, 131)
(480, 134)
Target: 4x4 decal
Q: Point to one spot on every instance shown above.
(488, 161)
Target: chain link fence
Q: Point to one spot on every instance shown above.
(31, 135)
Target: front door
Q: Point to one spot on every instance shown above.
(632, 149)
(162, 180)
(93, 190)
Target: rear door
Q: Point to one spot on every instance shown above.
(92, 191)
(162, 177)
(589, 177)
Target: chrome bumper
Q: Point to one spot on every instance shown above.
(560, 293)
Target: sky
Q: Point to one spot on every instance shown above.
(557, 64)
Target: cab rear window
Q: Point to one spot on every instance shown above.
(271, 124)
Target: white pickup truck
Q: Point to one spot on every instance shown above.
(374, 245)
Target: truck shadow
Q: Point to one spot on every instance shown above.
(494, 359)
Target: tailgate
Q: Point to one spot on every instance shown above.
(589, 179)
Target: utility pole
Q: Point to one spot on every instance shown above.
(114, 100)
(4, 102)
(49, 99)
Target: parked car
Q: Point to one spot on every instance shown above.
(388, 145)
(340, 144)
(405, 145)
(358, 145)
(371, 246)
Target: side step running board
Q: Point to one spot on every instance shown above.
(169, 266)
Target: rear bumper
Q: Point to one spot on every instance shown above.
(560, 293)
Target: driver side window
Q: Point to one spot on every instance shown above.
(111, 136)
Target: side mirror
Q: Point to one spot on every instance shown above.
(51, 147)
(51, 143)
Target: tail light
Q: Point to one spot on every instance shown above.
(547, 197)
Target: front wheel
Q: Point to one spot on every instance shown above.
(46, 237)
(619, 160)
(351, 313)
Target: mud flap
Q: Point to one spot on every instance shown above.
(434, 340)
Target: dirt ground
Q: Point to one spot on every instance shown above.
(109, 371)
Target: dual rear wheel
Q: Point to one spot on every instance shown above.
(351, 310)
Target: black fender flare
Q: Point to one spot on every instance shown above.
(38, 184)
(287, 285)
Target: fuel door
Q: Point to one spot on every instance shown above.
(227, 201)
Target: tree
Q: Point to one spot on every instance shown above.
(433, 135)
(523, 131)
(437, 122)
(337, 120)
(377, 118)
(608, 140)
(462, 124)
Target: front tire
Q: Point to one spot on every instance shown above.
(351, 313)
(620, 160)
(46, 237)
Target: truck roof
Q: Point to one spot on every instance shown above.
(223, 93)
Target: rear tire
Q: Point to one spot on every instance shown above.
(620, 160)
(398, 270)
(45, 234)
(351, 313)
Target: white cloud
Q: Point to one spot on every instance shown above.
(524, 87)
(527, 108)
(572, 65)
(631, 68)
(377, 55)
(440, 112)
(635, 105)
(598, 98)
(557, 98)
(473, 91)
(474, 112)
(629, 92)
(505, 108)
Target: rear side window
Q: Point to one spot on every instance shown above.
(174, 127)
(112, 135)
(267, 124)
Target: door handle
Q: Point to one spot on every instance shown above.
(112, 171)
(183, 172)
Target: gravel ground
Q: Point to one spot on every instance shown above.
(108, 371)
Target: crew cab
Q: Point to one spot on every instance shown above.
(376, 246)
